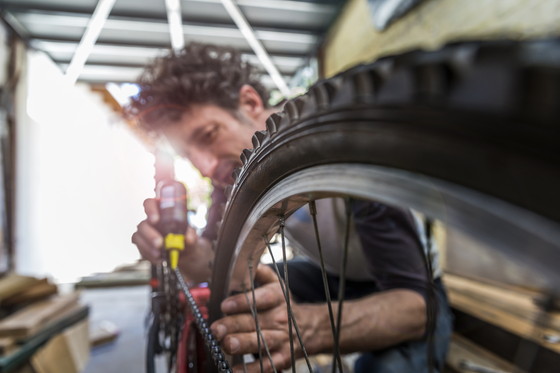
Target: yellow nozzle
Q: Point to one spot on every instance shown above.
(174, 243)
(174, 258)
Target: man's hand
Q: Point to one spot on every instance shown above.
(147, 238)
(194, 260)
(373, 322)
(237, 331)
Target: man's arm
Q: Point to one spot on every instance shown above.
(373, 322)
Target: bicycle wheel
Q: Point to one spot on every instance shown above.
(464, 135)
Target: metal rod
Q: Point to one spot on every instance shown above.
(342, 283)
(254, 312)
(175, 20)
(94, 27)
(286, 295)
(257, 46)
(313, 211)
(288, 301)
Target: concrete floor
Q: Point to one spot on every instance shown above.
(126, 307)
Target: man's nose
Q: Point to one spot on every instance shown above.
(205, 163)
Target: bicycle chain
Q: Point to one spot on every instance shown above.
(211, 343)
(172, 320)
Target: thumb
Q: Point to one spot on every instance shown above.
(264, 275)
(190, 237)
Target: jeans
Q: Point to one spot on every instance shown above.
(306, 285)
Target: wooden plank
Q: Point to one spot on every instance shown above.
(41, 289)
(113, 279)
(518, 302)
(462, 352)
(26, 368)
(28, 320)
(520, 326)
(67, 352)
(22, 354)
(12, 284)
(52, 326)
(7, 345)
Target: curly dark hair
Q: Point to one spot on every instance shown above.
(198, 74)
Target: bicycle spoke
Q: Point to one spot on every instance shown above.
(313, 211)
(288, 302)
(342, 283)
(286, 295)
(254, 312)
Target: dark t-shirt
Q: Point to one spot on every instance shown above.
(392, 245)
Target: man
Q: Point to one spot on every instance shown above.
(207, 103)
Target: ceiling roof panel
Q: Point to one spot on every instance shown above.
(136, 32)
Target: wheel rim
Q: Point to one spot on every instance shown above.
(457, 206)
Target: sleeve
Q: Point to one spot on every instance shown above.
(391, 245)
(215, 212)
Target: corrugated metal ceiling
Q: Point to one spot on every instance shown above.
(137, 31)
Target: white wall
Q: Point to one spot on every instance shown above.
(81, 179)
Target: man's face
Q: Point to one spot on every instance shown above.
(212, 139)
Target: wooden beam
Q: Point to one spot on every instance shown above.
(12, 284)
(463, 352)
(519, 302)
(506, 309)
(29, 320)
(39, 290)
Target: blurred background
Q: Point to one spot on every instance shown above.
(75, 173)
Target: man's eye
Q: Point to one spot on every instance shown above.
(209, 136)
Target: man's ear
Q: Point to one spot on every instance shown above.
(250, 102)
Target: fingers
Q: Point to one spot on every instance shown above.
(147, 238)
(237, 342)
(152, 210)
(191, 238)
(281, 360)
(276, 341)
(148, 241)
(237, 334)
(265, 274)
(267, 296)
(232, 325)
(247, 343)
(273, 319)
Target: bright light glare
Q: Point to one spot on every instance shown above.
(81, 183)
(198, 190)
(123, 92)
(276, 248)
(198, 219)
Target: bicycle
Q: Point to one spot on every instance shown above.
(397, 131)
